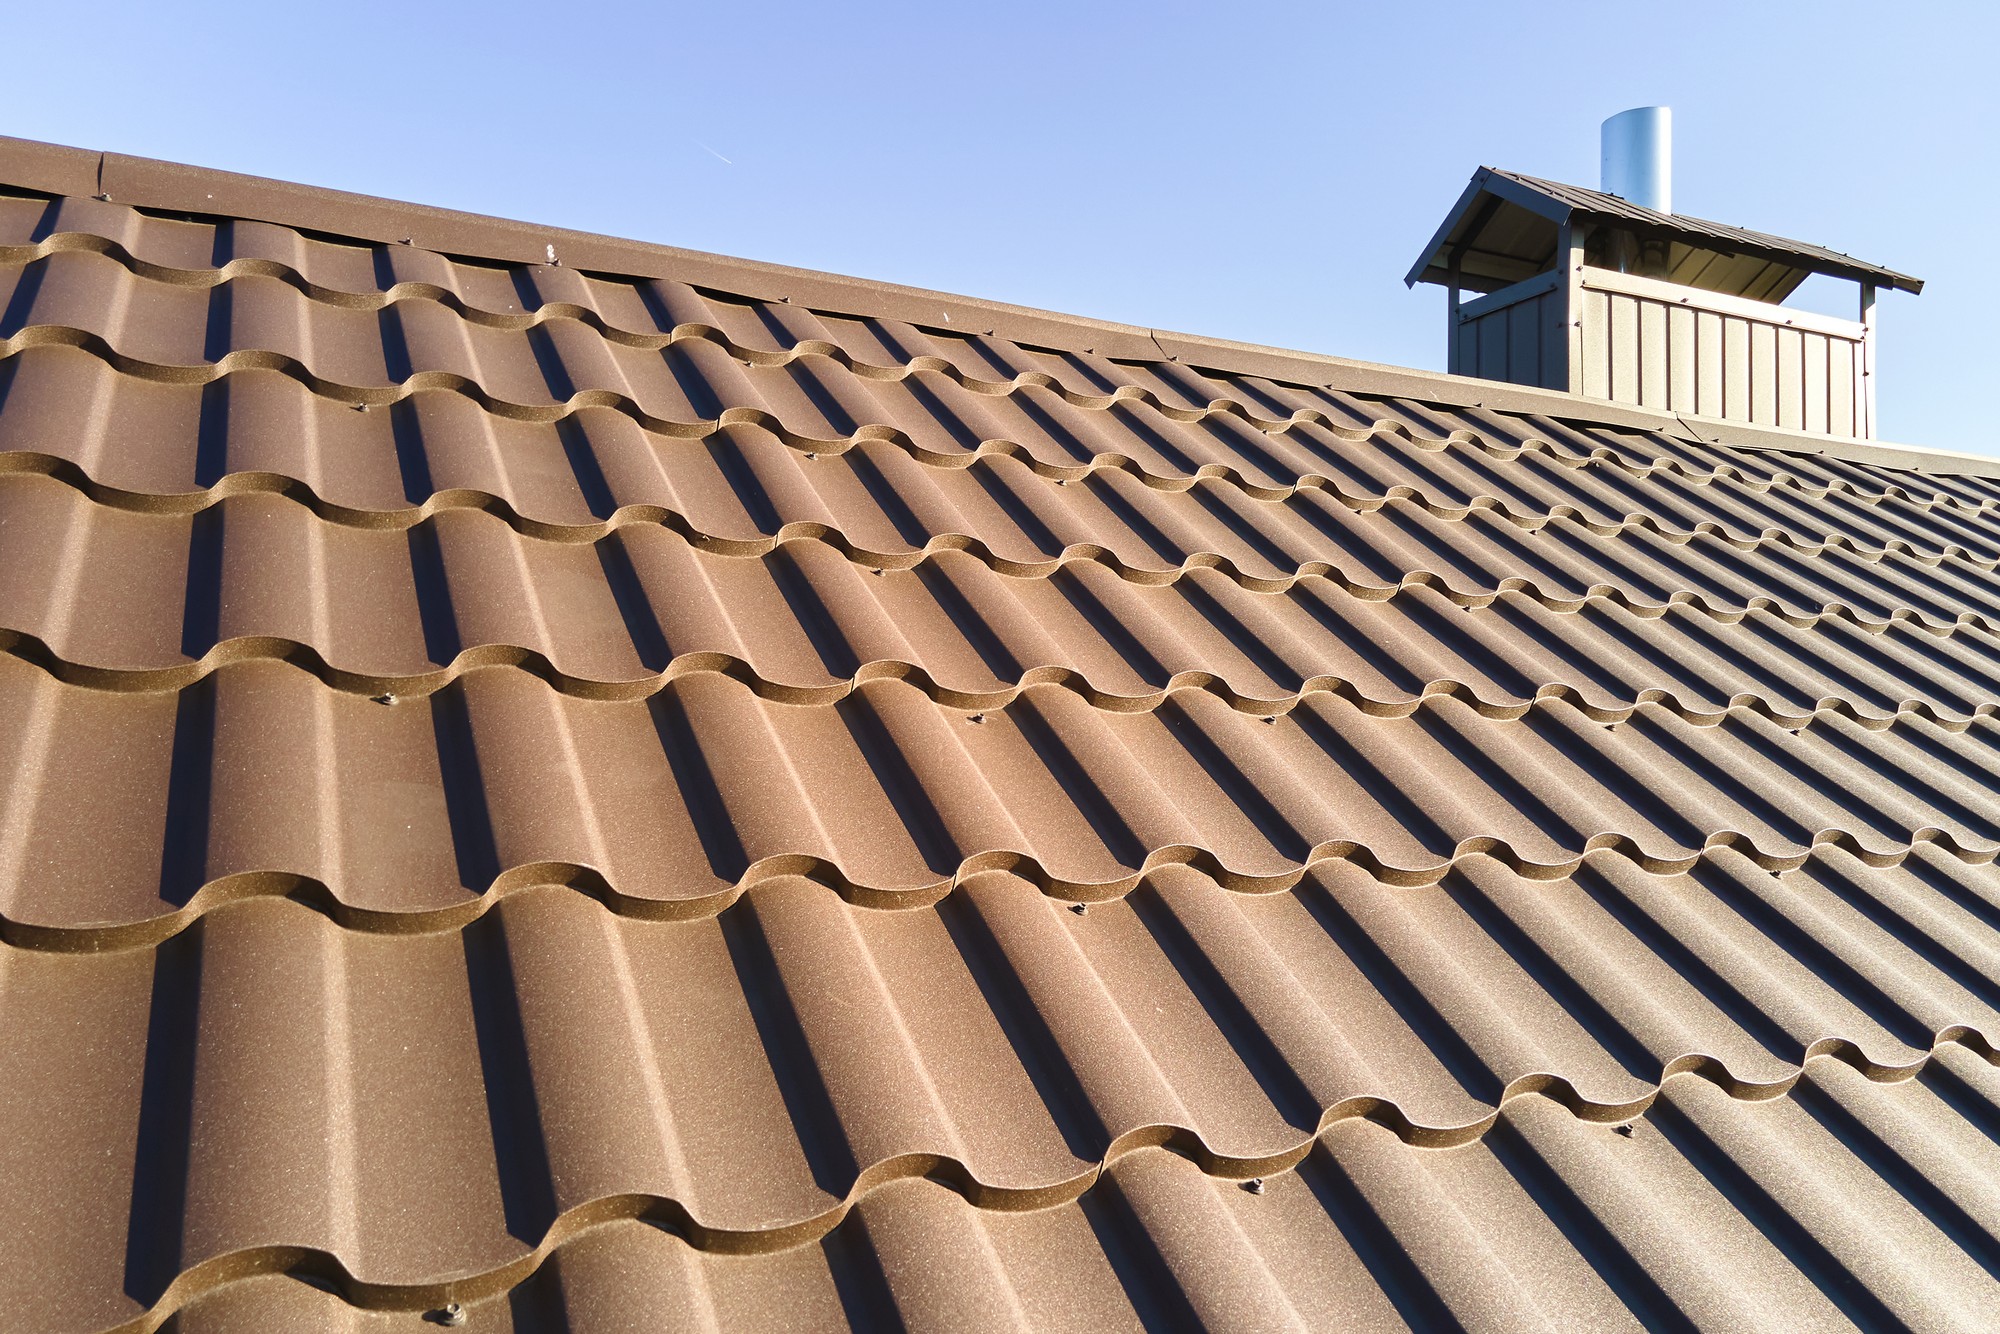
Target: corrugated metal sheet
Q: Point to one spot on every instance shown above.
(1520, 336)
(1654, 345)
(1503, 245)
(614, 803)
(1726, 237)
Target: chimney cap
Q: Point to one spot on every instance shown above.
(1503, 230)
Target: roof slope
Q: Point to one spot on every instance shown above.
(1503, 229)
(580, 793)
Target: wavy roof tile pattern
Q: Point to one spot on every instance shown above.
(557, 784)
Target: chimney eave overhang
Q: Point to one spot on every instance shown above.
(1434, 264)
(1559, 204)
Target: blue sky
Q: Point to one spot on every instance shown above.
(1259, 172)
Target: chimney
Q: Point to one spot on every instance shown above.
(1636, 157)
(1609, 294)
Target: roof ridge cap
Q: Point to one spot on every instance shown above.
(56, 169)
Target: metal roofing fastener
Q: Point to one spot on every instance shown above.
(1079, 908)
(383, 699)
(1626, 1131)
(451, 1313)
(1255, 1185)
(977, 718)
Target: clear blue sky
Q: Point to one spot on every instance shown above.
(1250, 171)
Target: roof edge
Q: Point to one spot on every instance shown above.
(177, 188)
(1780, 249)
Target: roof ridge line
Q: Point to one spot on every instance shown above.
(175, 187)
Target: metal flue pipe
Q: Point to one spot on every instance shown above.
(1638, 157)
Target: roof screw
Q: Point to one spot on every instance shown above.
(1271, 719)
(361, 407)
(1626, 1131)
(451, 1313)
(877, 569)
(552, 254)
(1079, 908)
(383, 699)
(102, 199)
(407, 241)
(1255, 1185)
(977, 718)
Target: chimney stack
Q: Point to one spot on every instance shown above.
(1609, 294)
(1636, 159)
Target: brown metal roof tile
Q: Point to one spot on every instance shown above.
(389, 611)
(571, 789)
(259, 772)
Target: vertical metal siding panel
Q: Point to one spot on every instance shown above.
(1493, 346)
(1666, 348)
(1681, 362)
(1842, 363)
(1791, 379)
(1764, 374)
(1736, 369)
(1596, 345)
(1866, 426)
(1864, 389)
(1524, 342)
(1465, 348)
(1708, 364)
(1624, 332)
(1652, 354)
(1814, 349)
(1555, 341)
(1863, 419)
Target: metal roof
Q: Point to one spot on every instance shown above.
(1504, 228)
(595, 796)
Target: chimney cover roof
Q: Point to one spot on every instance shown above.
(1504, 227)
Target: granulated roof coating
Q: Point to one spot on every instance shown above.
(598, 795)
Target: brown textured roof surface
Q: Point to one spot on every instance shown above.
(620, 801)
